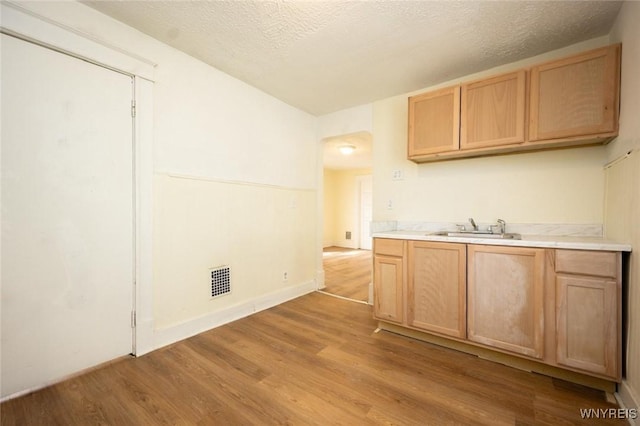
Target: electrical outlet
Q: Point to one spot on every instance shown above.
(293, 202)
(390, 205)
(285, 276)
(347, 235)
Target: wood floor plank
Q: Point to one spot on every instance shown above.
(315, 360)
(468, 406)
(347, 272)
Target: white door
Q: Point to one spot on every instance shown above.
(366, 211)
(67, 215)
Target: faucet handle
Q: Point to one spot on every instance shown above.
(461, 227)
(500, 224)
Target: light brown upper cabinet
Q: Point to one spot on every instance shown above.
(493, 111)
(564, 103)
(576, 96)
(434, 122)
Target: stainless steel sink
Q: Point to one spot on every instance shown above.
(477, 234)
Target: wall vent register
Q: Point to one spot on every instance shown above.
(220, 281)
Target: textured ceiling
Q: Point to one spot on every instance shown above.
(324, 56)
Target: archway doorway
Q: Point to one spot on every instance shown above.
(347, 207)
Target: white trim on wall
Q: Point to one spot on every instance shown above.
(232, 182)
(28, 19)
(360, 181)
(144, 214)
(628, 400)
(190, 328)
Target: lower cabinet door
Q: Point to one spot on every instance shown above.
(388, 280)
(505, 298)
(587, 326)
(436, 299)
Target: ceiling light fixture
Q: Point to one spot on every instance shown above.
(347, 149)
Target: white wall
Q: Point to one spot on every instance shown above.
(564, 186)
(235, 183)
(346, 121)
(218, 132)
(622, 205)
(211, 125)
(237, 177)
(342, 207)
(260, 232)
(330, 182)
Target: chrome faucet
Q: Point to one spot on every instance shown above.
(503, 226)
(473, 223)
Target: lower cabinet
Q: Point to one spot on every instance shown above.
(388, 279)
(588, 310)
(436, 296)
(388, 272)
(558, 307)
(506, 298)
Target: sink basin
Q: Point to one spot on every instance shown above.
(475, 234)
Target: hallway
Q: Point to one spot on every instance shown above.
(347, 272)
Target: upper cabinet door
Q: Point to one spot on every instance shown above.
(434, 122)
(493, 111)
(576, 96)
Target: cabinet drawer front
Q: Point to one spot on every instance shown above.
(389, 247)
(595, 263)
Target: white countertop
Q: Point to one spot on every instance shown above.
(542, 241)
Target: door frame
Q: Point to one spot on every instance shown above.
(55, 29)
(360, 180)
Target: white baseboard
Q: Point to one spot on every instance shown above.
(320, 279)
(190, 328)
(352, 244)
(628, 399)
(149, 340)
(341, 243)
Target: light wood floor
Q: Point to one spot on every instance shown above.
(347, 272)
(314, 360)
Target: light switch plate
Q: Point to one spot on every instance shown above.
(397, 175)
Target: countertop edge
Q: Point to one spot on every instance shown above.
(539, 241)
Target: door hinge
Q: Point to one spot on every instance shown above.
(133, 319)
(133, 109)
